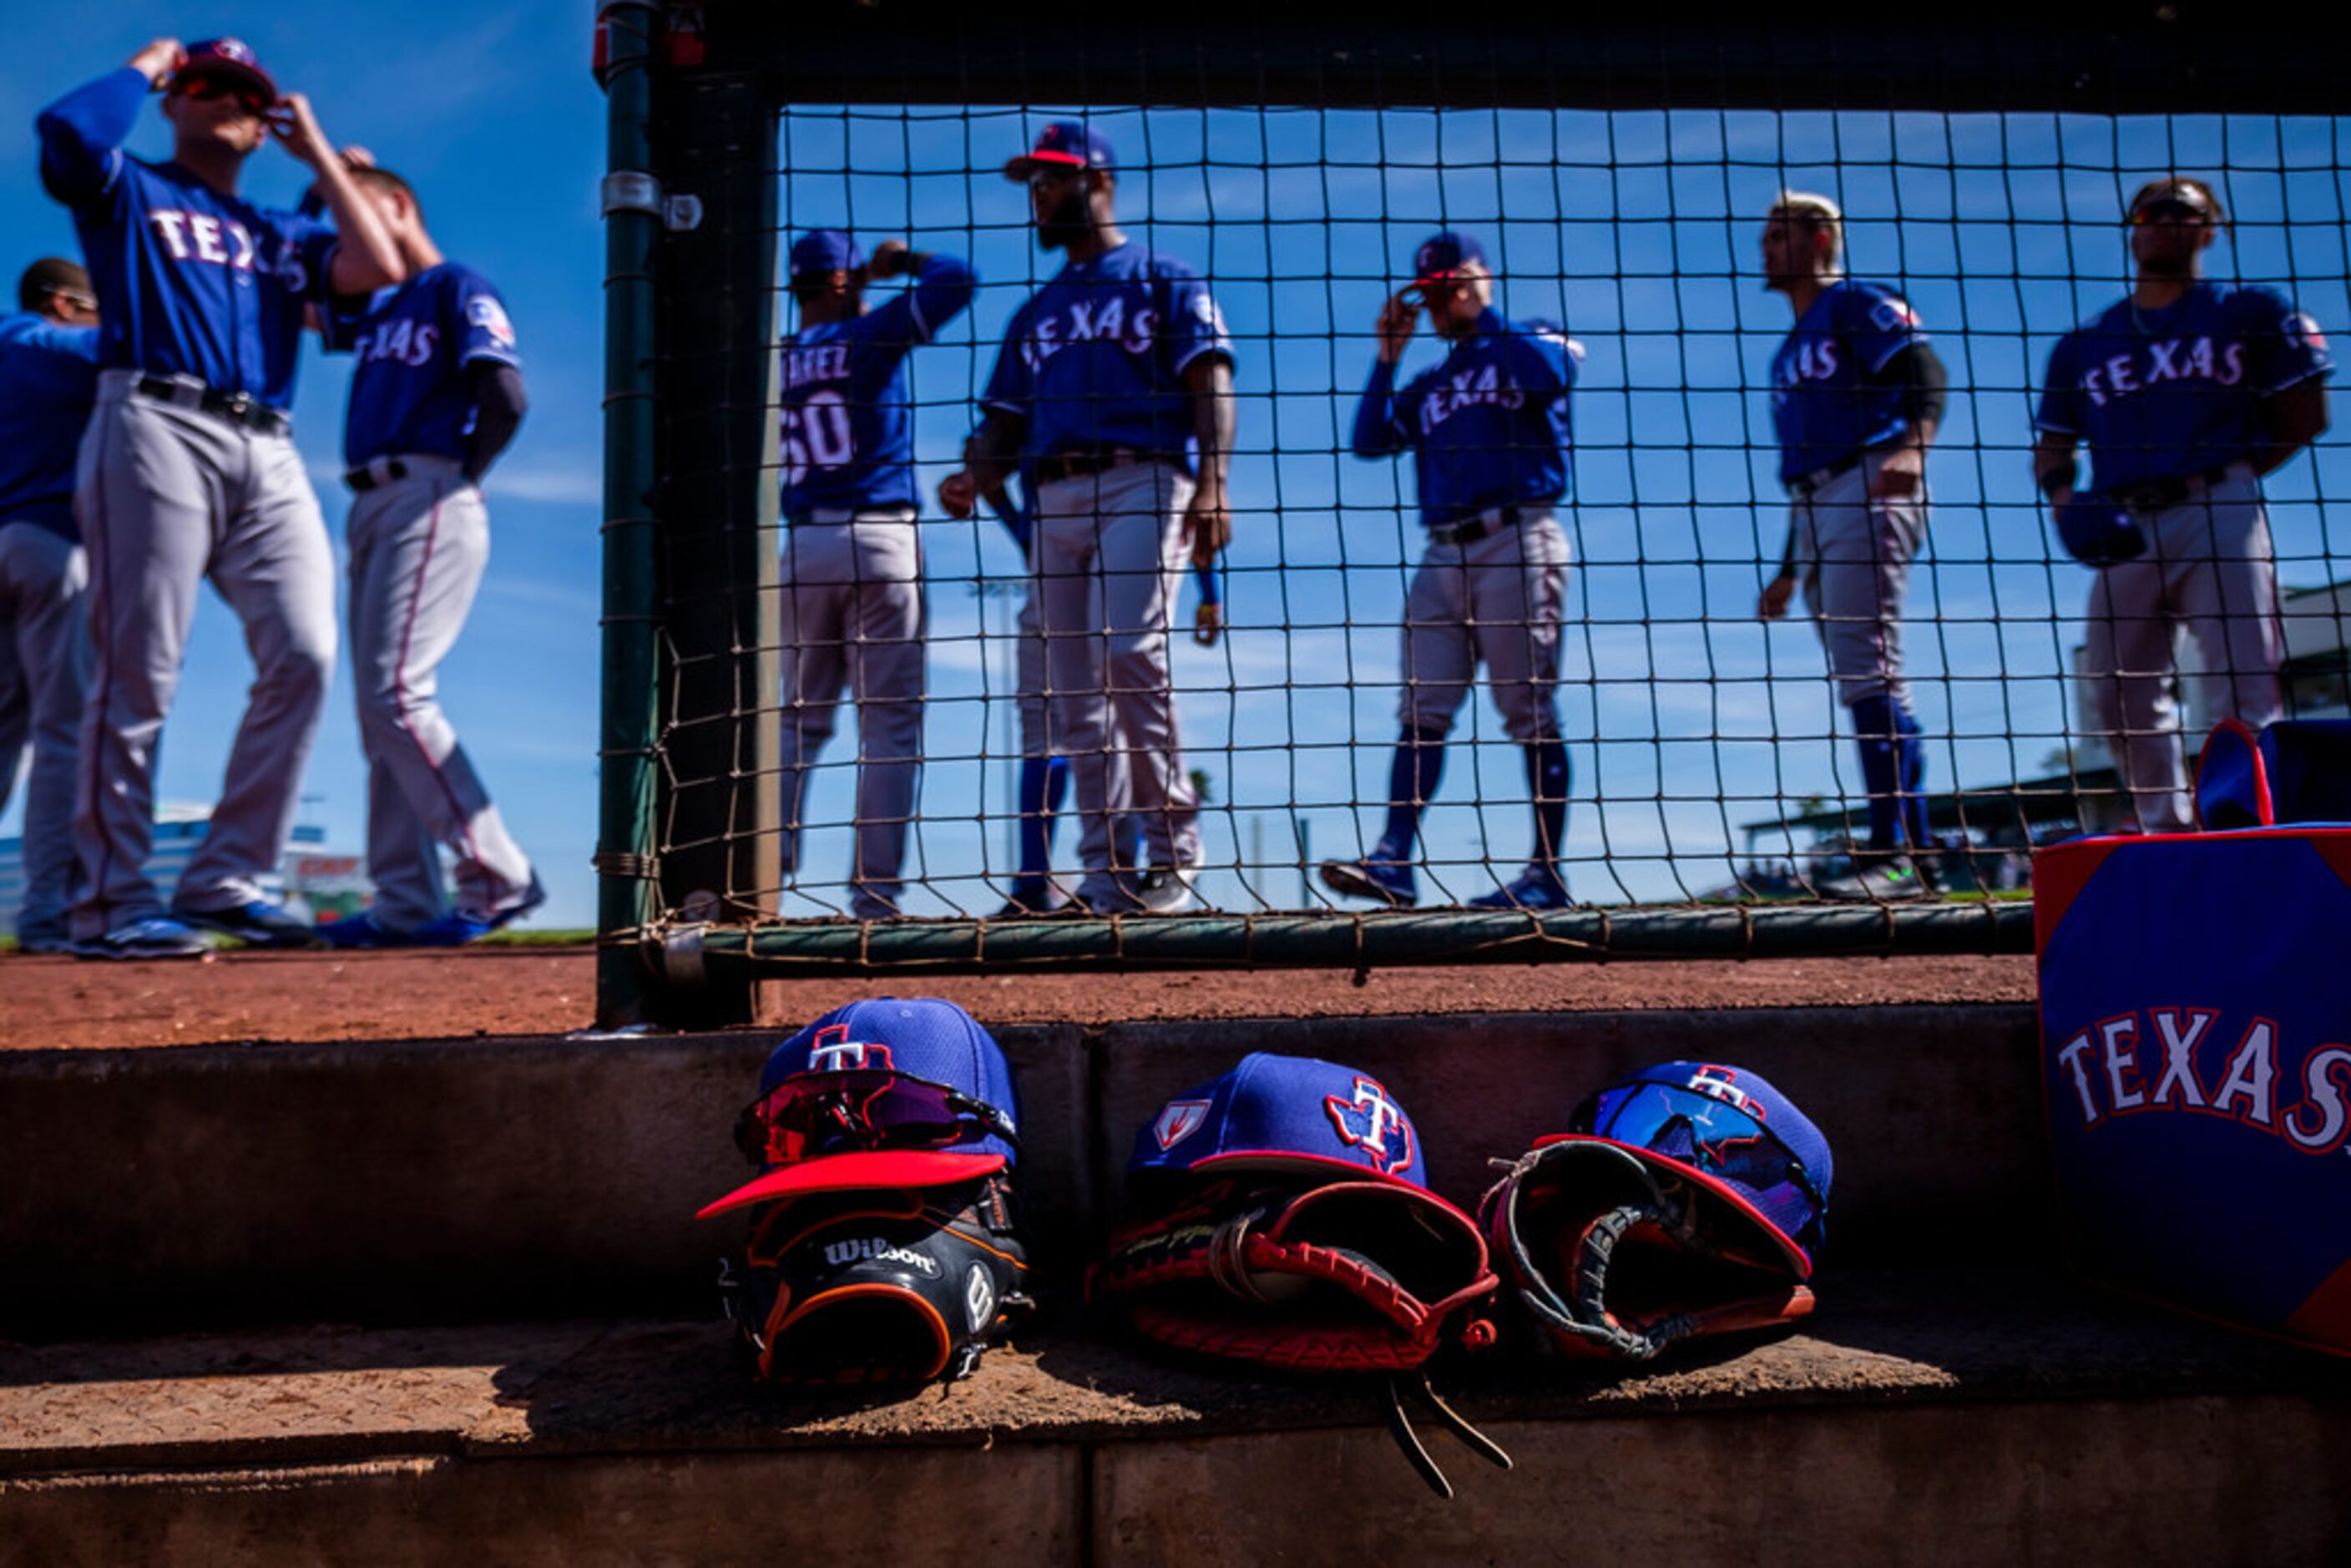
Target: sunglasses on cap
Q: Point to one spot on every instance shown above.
(2167, 210)
(814, 1115)
(205, 88)
(1713, 1136)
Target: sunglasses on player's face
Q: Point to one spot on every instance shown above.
(2167, 210)
(206, 89)
(819, 1113)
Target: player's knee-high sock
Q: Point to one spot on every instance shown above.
(1547, 784)
(1044, 781)
(1413, 774)
(1912, 747)
(1874, 735)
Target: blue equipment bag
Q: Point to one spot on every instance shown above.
(2196, 1042)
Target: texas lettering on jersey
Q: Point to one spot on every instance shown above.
(412, 345)
(1831, 399)
(1490, 426)
(2196, 1060)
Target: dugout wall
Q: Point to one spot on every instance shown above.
(723, 121)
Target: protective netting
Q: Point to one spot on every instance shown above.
(1710, 755)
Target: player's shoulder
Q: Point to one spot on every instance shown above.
(456, 278)
(1881, 305)
(2260, 302)
(1139, 260)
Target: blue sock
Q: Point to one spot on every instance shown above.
(1912, 747)
(1043, 782)
(1419, 762)
(1873, 733)
(1547, 782)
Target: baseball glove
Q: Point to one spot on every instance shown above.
(1612, 1254)
(1344, 1277)
(2098, 532)
(878, 1286)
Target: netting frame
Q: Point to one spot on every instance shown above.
(690, 202)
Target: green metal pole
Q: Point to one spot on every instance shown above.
(625, 862)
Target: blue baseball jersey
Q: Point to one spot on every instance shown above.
(48, 381)
(410, 347)
(189, 281)
(848, 442)
(1489, 427)
(1830, 398)
(1096, 358)
(2170, 393)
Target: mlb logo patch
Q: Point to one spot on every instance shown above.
(491, 317)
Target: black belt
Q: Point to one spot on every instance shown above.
(237, 408)
(2162, 495)
(1805, 487)
(382, 472)
(1493, 520)
(1080, 462)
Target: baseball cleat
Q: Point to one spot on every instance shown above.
(1537, 888)
(1895, 880)
(1388, 881)
(362, 932)
(43, 936)
(1032, 898)
(1165, 889)
(257, 922)
(458, 928)
(157, 936)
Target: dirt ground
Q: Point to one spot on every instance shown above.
(47, 1002)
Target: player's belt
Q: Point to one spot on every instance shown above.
(1804, 487)
(1493, 520)
(376, 471)
(237, 408)
(1079, 462)
(2162, 495)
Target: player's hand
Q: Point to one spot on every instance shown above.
(1398, 317)
(159, 59)
(1901, 472)
(891, 258)
(296, 130)
(1773, 602)
(356, 157)
(1208, 522)
(959, 494)
(1207, 621)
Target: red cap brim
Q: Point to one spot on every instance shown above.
(1712, 1186)
(1018, 169)
(253, 76)
(873, 1168)
(1319, 1165)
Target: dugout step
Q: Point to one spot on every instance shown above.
(1926, 1414)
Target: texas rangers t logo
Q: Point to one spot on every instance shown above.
(835, 1051)
(1717, 1082)
(1374, 1124)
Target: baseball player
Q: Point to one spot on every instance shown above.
(852, 568)
(48, 378)
(1856, 394)
(188, 471)
(1114, 393)
(1490, 433)
(2187, 392)
(436, 394)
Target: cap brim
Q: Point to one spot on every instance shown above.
(1742, 1208)
(1018, 169)
(1321, 1166)
(872, 1168)
(251, 76)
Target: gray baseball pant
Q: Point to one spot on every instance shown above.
(168, 498)
(2210, 571)
(1110, 560)
(418, 548)
(1853, 560)
(1036, 708)
(43, 671)
(853, 619)
(1497, 600)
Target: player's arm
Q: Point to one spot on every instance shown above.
(1377, 433)
(989, 457)
(1924, 385)
(2055, 471)
(1208, 522)
(944, 286)
(364, 258)
(500, 404)
(2291, 419)
(82, 133)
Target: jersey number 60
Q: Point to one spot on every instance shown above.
(816, 436)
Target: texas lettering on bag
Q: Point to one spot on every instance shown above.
(2184, 1061)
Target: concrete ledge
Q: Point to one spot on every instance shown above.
(1927, 1417)
(455, 1181)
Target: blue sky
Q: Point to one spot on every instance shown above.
(1637, 230)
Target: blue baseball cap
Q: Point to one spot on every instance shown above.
(825, 250)
(227, 57)
(1724, 1128)
(1440, 255)
(935, 1046)
(1278, 1112)
(1064, 144)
